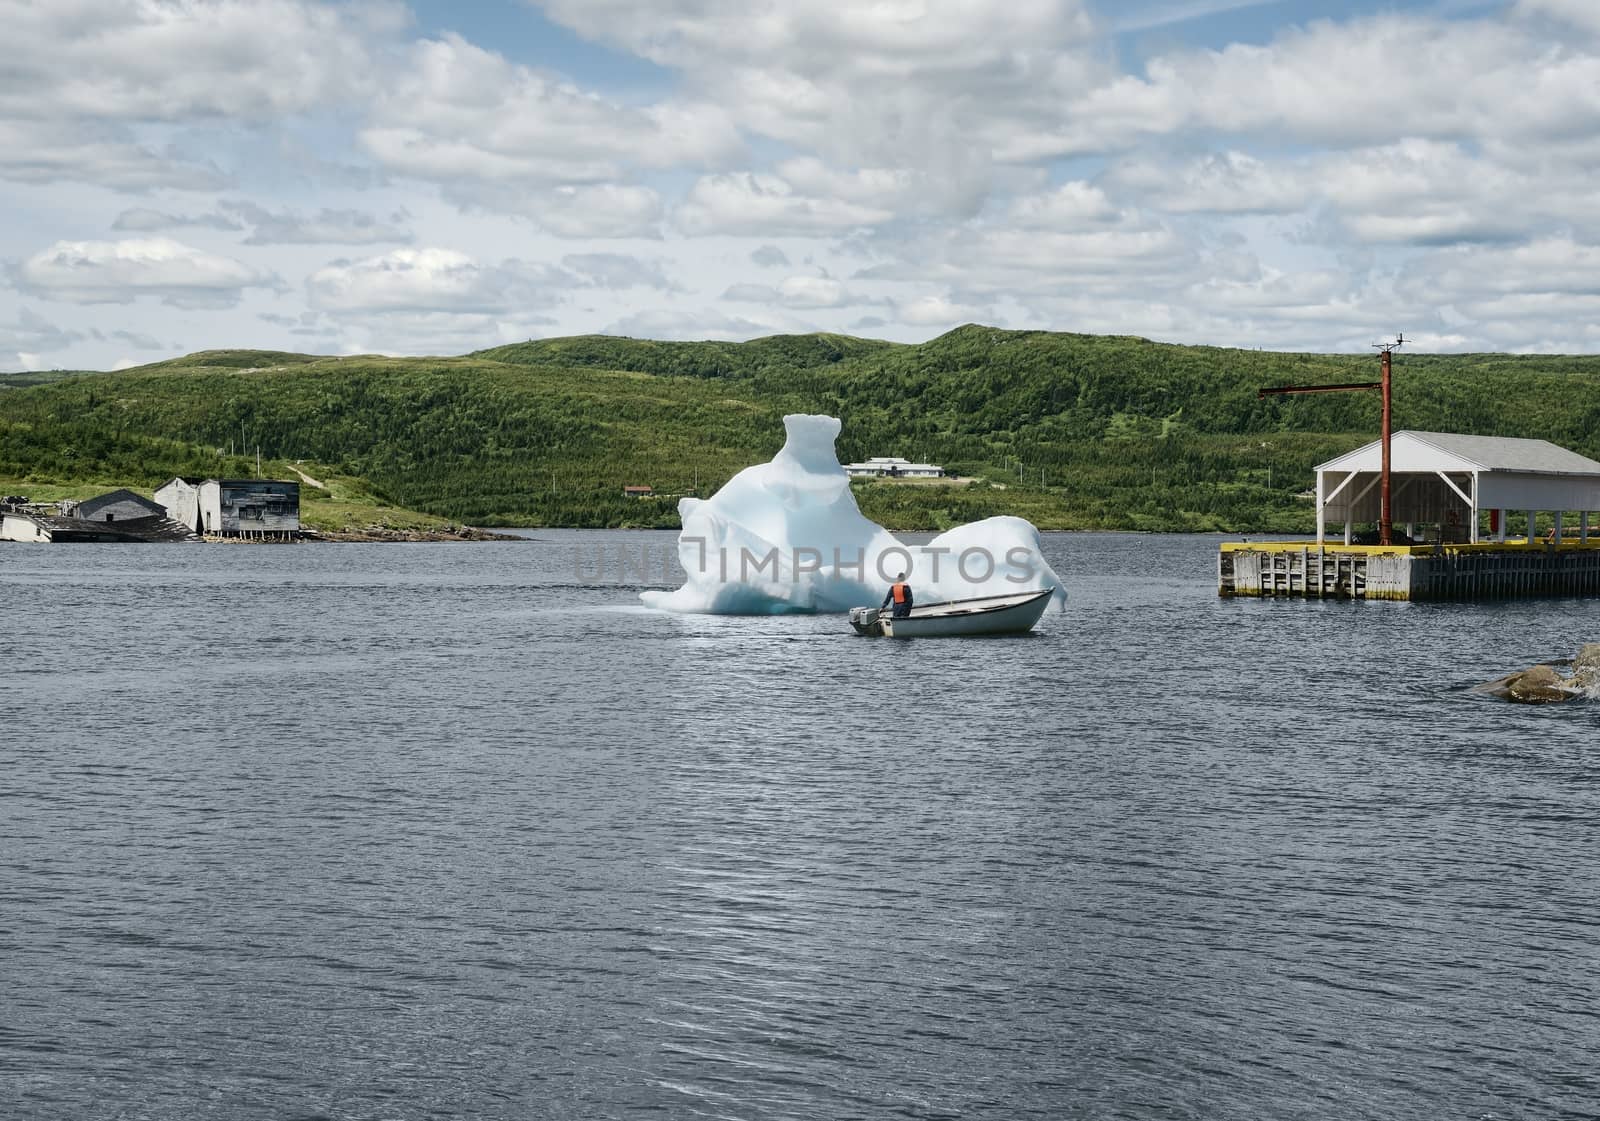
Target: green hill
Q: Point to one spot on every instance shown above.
(1071, 431)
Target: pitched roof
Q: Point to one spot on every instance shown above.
(1452, 451)
(153, 528)
(121, 495)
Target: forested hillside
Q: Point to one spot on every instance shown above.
(1072, 431)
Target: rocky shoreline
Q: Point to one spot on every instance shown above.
(377, 533)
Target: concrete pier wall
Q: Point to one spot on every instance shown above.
(1451, 572)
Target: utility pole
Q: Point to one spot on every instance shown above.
(1385, 521)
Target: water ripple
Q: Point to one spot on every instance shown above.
(414, 831)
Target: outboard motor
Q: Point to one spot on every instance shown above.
(866, 621)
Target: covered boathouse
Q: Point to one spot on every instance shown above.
(1452, 500)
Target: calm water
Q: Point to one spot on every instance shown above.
(406, 831)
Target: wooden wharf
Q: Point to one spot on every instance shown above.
(1485, 571)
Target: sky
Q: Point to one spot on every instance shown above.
(443, 176)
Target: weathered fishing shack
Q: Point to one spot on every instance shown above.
(1452, 501)
(240, 509)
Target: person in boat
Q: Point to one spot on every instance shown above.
(899, 597)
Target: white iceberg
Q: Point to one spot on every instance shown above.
(787, 536)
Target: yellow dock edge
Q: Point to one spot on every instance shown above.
(1512, 569)
(1538, 545)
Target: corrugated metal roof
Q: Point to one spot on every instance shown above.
(1503, 453)
(1486, 453)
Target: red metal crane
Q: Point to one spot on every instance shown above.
(1385, 523)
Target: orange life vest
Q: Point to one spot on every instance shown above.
(901, 592)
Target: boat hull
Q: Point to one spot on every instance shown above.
(990, 615)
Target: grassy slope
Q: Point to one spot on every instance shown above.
(1110, 431)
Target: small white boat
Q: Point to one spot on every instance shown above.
(1008, 614)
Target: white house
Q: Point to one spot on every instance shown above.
(893, 467)
(1444, 479)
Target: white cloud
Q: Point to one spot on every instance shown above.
(1229, 182)
(1313, 291)
(1420, 192)
(166, 60)
(1494, 276)
(431, 332)
(327, 227)
(422, 280)
(798, 292)
(605, 210)
(925, 83)
(618, 271)
(89, 272)
(458, 114)
(698, 323)
(47, 151)
(903, 38)
(1430, 192)
(271, 227)
(754, 205)
(408, 150)
(1582, 14)
(939, 311)
(748, 293)
(888, 188)
(1071, 206)
(814, 292)
(143, 219)
(1045, 241)
(1342, 84)
(94, 90)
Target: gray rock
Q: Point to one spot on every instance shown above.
(1586, 668)
(1538, 685)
